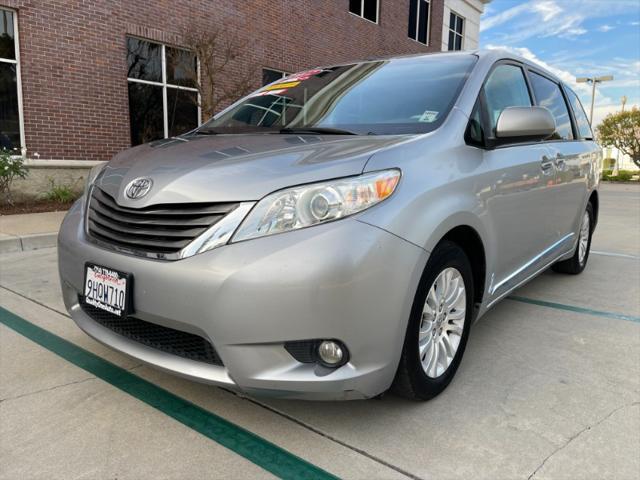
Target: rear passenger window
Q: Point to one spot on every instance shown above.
(549, 95)
(584, 129)
(505, 87)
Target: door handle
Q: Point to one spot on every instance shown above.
(546, 165)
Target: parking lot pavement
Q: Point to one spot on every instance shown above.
(619, 230)
(549, 388)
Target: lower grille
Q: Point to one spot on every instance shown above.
(169, 340)
(304, 351)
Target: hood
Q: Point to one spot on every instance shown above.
(232, 168)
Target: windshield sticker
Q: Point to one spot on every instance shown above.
(280, 86)
(302, 76)
(428, 116)
(262, 93)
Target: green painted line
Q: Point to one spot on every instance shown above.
(572, 308)
(261, 452)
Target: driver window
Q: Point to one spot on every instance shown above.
(505, 87)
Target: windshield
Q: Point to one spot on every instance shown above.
(404, 95)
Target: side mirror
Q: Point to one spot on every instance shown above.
(524, 124)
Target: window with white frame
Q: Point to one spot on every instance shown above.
(419, 11)
(456, 31)
(269, 75)
(11, 129)
(163, 94)
(367, 9)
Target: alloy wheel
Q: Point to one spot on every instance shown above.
(442, 322)
(583, 242)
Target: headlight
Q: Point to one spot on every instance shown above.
(308, 205)
(93, 174)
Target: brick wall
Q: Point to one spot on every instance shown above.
(73, 54)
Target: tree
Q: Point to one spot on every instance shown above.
(222, 77)
(622, 130)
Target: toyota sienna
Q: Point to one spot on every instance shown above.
(336, 233)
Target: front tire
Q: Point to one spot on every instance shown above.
(439, 325)
(578, 262)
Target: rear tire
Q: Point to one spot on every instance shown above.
(578, 262)
(443, 307)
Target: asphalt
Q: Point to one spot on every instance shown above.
(549, 389)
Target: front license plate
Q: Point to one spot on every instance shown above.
(107, 289)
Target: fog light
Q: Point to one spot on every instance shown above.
(331, 353)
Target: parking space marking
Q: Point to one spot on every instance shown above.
(256, 449)
(572, 308)
(613, 254)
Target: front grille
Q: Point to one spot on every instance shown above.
(157, 229)
(175, 342)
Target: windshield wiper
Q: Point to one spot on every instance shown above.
(204, 131)
(284, 131)
(312, 130)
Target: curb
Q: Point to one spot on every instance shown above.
(10, 244)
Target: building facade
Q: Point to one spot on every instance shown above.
(83, 80)
(461, 29)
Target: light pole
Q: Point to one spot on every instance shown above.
(593, 81)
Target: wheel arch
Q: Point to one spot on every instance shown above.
(465, 230)
(595, 203)
(469, 240)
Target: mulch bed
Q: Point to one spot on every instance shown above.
(34, 206)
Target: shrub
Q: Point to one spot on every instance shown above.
(624, 176)
(60, 193)
(11, 167)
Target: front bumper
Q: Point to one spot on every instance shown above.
(344, 280)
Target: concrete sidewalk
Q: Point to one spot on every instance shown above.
(29, 231)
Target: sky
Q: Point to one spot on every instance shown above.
(573, 38)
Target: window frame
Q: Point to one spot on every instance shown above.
(488, 138)
(361, 15)
(577, 134)
(164, 84)
(455, 33)
(428, 33)
(486, 143)
(17, 63)
(574, 126)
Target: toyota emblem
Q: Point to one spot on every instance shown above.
(138, 188)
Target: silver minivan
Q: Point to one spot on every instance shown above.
(336, 234)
